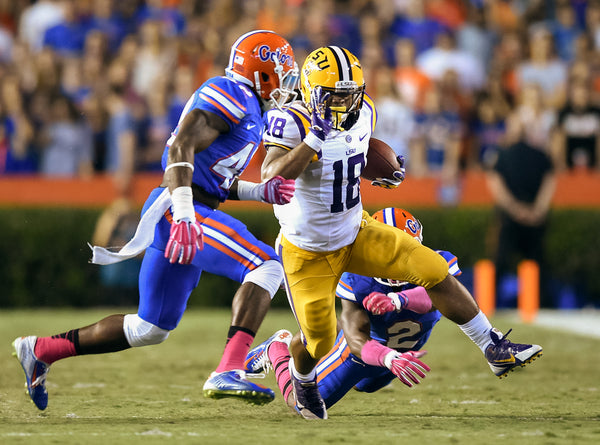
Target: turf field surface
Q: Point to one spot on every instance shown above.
(154, 394)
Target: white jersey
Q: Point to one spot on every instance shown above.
(326, 211)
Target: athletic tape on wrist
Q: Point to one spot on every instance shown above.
(313, 141)
(250, 191)
(179, 164)
(389, 357)
(396, 300)
(183, 204)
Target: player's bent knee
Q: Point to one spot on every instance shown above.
(321, 347)
(268, 275)
(429, 267)
(141, 333)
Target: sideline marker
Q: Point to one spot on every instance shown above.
(484, 286)
(528, 301)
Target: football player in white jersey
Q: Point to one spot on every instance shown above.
(322, 142)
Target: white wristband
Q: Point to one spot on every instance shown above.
(183, 204)
(250, 191)
(387, 360)
(396, 300)
(180, 164)
(313, 141)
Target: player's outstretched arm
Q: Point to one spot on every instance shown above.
(276, 190)
(415, 299)
(355, 322)
(406, 366)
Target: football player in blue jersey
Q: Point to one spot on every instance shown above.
(183, 233)
(322, 143)
(397, 315)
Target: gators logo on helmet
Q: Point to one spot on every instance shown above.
(265, 61)
(403, 220)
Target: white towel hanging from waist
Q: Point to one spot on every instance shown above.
(144, 234)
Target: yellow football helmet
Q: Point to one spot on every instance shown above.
(338, 72)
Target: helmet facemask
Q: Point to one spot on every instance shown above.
(338, 72)
(264, 61)
(391, 283)
(345, 101)
(285, 93)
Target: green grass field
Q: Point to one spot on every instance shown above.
(154, 394)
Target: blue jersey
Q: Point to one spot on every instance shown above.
(340, 370)
(230, 250)
(404, 330)
(225, 159)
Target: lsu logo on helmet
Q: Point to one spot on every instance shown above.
(338, 72)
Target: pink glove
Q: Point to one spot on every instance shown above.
(407, 367)
(378, 303)
(185, 238)
(415, 300)
(279, 190)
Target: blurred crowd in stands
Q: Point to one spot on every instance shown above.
(96, 86)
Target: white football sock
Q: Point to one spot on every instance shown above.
(312, 375)
(478, 329)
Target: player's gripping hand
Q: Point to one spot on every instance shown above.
(321, 116)
(185, 239)
(379, 303)
(279, 190)
(392, 183)
(415, 299)
(406, 366)
(321, 119)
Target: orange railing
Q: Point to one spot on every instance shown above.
(574, 190)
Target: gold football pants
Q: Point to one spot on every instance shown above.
(378, 251)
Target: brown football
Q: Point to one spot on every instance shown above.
(382, 162)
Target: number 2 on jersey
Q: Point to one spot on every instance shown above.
(401, 335)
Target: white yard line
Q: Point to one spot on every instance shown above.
(585, 321)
